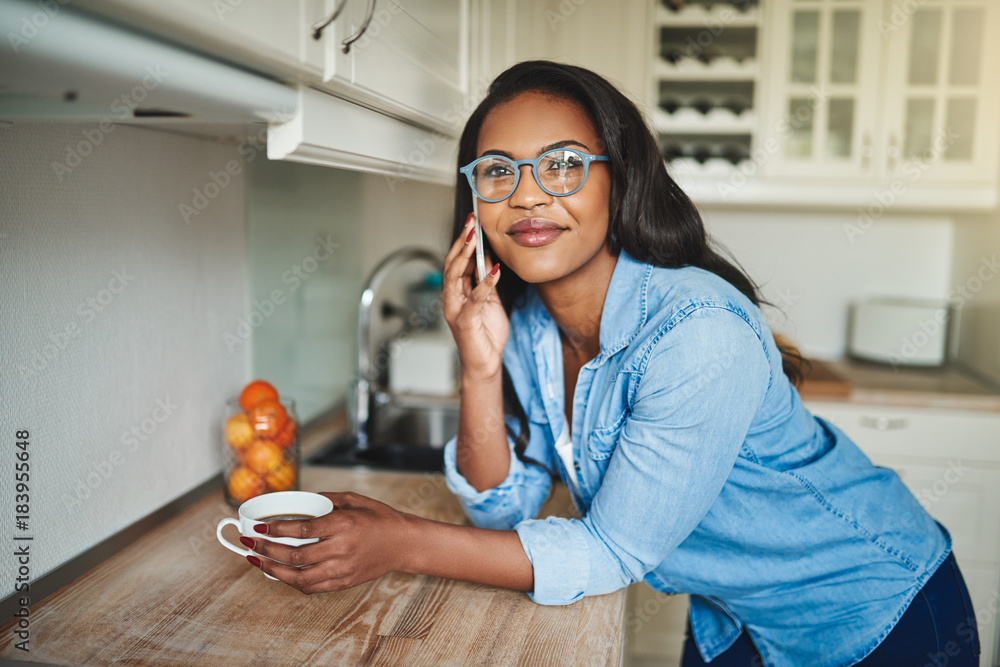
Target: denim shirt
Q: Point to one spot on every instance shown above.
(700, 471)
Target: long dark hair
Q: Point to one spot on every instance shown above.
(650, 217)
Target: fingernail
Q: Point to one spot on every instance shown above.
(496, 267)
(254, 561)
(471, 234)
(261, 528)
(470, 218)
(247, 542)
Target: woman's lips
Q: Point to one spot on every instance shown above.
(532, 233)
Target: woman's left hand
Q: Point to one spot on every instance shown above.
(360, 540)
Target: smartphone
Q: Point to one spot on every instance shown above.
(480, 259)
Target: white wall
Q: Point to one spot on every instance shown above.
(89, 357)
(811, 267)
(977, 290)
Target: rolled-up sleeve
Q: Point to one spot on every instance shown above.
(702, 382)
(523, 491)
(519, 496)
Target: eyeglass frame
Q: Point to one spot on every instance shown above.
(587, 159)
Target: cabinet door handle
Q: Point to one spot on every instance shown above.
(319, 27)
(885, 423)
(346, 44)
(866, 151)
(893, 154)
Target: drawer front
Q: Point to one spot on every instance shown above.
(941, 434)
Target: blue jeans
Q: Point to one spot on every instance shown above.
(938, 629)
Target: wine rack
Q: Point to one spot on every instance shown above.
(705, 79)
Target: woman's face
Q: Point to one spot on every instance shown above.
(524, 128)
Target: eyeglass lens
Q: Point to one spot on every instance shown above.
(558, 172)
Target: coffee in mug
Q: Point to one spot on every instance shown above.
(282, 505)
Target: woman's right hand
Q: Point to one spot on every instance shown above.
(480, 327)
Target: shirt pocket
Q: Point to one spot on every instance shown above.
(603, 441)
(611, 416)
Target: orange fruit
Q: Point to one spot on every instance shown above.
(268, 418)
(244, 484)
(285, 438)
(263, 457)
(281, 478)
(255, 392)
(238, 432)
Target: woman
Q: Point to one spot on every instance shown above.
(622, 353)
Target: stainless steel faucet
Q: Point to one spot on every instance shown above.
(365, 379)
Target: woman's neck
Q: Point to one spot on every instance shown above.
(576, 302)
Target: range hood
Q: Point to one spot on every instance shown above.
(57, 63)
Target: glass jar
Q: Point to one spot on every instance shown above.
(260, 450)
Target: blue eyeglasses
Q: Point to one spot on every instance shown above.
(559, 172)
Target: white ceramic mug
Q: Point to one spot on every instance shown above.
(258, 509)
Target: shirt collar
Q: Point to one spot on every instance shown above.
(624, 310)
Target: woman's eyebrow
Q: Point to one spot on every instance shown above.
(558, 144)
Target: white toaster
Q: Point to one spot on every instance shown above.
(899, 331)
(424, 363)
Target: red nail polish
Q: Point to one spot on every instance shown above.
(469, 219)
(247, 542)
(261, 528)
(496, 267)
(471, 233)
(254, 561)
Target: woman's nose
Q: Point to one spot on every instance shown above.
(528, 193)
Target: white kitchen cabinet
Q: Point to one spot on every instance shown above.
(331, 131)
(950, 460)
(411, 61)
(857, 103)
(941, 91)
(822, 81)
(865, 89)
(392, 103)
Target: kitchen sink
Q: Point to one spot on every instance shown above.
(384, 456)
(404, 436)
(418, 425)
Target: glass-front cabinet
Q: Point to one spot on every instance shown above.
(824, 71)
(896, 92)
(941, 106)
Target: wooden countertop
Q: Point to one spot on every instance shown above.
(178, 597)
(854, 381)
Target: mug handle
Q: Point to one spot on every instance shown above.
(226, 543)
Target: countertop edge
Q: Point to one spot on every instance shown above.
(65, 574)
